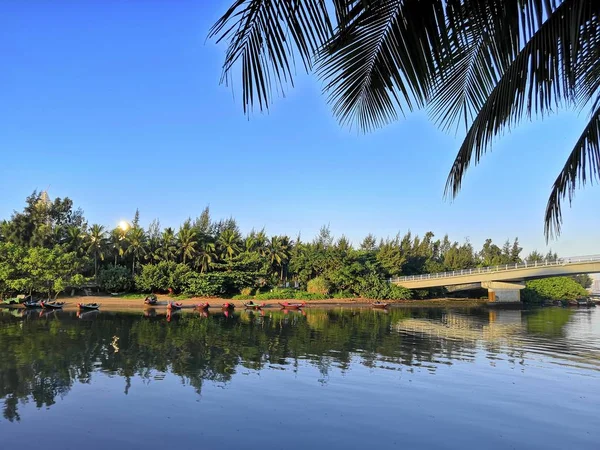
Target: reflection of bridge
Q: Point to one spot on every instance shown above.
(502, 282)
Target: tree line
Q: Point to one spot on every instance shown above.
(49, 247)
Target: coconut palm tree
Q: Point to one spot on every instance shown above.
(96, 245)
(136, 238)
(206, 256)
(278, 253)
(186, 241)
(481, 64)
(74, 239)
(117, 243)
(228, 243)
(167, 250)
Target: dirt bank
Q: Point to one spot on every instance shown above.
(109, 303)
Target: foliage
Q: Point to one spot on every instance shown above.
(115, 279)
(318, 285)
(283, 294)
(556, 288)
(484, 65)
(165, 276)
(584, 280)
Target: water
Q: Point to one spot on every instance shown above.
(338, 378)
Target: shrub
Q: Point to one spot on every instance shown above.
(318, 285)
(163, 276)
(115, 279)
(398, 293)
(218, 283)
(344, 294)
(556, 288)
(247, 291)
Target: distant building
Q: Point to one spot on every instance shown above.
(596, 287)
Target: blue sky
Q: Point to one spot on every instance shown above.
(118, 106)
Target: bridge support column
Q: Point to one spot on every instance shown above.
(503, 292)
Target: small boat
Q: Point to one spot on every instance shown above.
(52, 305)
(203, 306)
(379, 305)
(174, 305)
(88, 306)
(32, 304)
(150, 300)
(286, 305)
(256, 306)
(227, 306)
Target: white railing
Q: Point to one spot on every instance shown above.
(500, 268)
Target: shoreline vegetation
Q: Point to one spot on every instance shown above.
(49, 250)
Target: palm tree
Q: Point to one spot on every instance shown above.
(74, 239)
(136, 237)
(228, 243)
(278, 252)
(481, 64)
(167, 250)
(206, 256)
(117, 243)
(186, 240)
(96, 245)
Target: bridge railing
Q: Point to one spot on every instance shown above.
(500, 268)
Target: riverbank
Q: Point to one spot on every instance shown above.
(109, 303)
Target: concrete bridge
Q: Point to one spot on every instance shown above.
(504, 283)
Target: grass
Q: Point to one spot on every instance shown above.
(134, 296)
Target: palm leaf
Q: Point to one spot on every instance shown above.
(542, 76)
(383, 59)
(582, 163)
(265, 35)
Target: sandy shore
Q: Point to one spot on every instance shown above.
(109, 303)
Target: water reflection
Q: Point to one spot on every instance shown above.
(43, 354)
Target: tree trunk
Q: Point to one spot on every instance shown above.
(96, 267)
(133, 267)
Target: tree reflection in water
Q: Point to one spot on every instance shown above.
(43, 355)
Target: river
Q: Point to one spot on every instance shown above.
(447, 378)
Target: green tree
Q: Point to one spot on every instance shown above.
(136, 239)
(117, 242)
(96, 245)
(482, 64)
(228, 243)
(206, 256)
(186, 241)
(168, 249)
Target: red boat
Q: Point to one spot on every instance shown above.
(174, 305)
(379, 305)
(286, 305)
(203, 306)
(256, 306)
(227, 306)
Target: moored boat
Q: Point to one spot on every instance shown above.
(256, 306)
(203, 306)
(379, 305)
(150, 300)
(227, 306)
(174, 305)
(88, 306)
(31, 304)
(52, 305)
(287, 305)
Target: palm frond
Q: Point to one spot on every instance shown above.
(484, 37)
(543, 75)
(582, 164)
(383, 59)
(265, 35)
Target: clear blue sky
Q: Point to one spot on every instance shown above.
(118, 106)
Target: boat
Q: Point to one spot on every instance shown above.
(88, 306)
(52, 305)
(286, 305)
(174, 305)
(256, 306)
(379, 305)
(227, 306)
(151, 300)
(31, 304)
(203, 306)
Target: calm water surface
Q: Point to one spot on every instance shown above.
(339, 378)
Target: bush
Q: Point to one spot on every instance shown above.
(556, 288)
(398, 293)
(376, 288)
(247, 291)
(115, 279)
(344, 294)
(164, 276)
(282, 294)
(218, 283)
(318, 285)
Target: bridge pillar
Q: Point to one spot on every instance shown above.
(503, 292)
